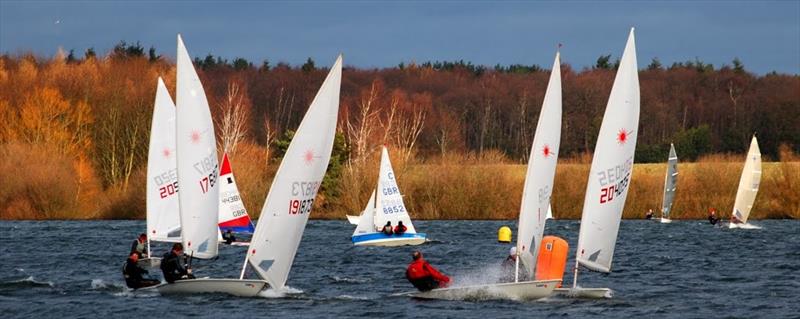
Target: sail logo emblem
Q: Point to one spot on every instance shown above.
(309, 157)
(195, 137)
(622, 136)
(546, 151)
(166, 152)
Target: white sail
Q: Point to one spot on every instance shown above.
(163, 218)
(232, 213)
(670, 182)
(365, 221)
(748, 183)
(612, 166)
(288, 204)
(198, 168)
(541, 172)
(389, 201)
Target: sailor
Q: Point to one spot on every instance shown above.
(649, 214)
(400, 228)
(387, 229)
(173, 266)
(139, 246)
(509, 266)
(712, 216)
(228, 237)
(135, 275)
(423, 276)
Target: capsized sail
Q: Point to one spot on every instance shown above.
(748, 183)
(291, 197)
(198, 169)
(670, 182)
(389, 201)
(541, 172)
(232, 213)
(612, 166)
(163, 218)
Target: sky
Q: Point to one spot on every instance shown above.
(764, 35)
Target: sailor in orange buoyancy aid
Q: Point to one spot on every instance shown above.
(423, 276)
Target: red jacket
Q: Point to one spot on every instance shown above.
(399, 229)
(420, 268)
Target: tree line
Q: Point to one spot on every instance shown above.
(86, 119)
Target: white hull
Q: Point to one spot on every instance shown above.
(526, 290)
(240, 243)
(742, 226)
(584, 293)
(353, 219)
(236, 287)
(665, 220)
(394, 242)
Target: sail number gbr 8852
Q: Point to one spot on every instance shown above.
(614, 181)
(306, 191)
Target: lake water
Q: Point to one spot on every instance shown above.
(687, 269)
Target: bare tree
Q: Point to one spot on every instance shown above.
(235, 115)
(407, 131)
(359, 131)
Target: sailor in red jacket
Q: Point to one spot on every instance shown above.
(423, 276)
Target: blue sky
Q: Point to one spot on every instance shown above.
(765, 35)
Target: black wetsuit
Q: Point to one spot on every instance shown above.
(228, 237)
(139, 250)
(713, 219)
(173, 268)
(135, 276)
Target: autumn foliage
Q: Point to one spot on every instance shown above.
(75, 132)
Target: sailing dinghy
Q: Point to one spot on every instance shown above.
(748, 186)
(353, 219)
(163, 219)
(385, 205)
(670, 184)
(609, 177)
(232, 213)
(198, 173)
(533, 211)
(291, 197)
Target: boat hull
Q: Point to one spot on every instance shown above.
(353, 220)
(665, 220)
(526, 290)
(380, 239)
(584, 293)
(235, 287)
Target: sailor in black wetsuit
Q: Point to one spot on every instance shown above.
(139, 246)
(649, 214)
(172, 265)
(712, 217)
(228, 237)
(135, 275)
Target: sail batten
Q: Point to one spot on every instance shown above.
(612, 167)
(294, 188)
(197, 164)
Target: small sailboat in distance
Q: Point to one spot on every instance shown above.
(670, 184)
(609, 177)
(385, 205)
(232, 213)
(533, 210)
(748, 186)
(163, 219)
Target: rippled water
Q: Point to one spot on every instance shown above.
(687, 269)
